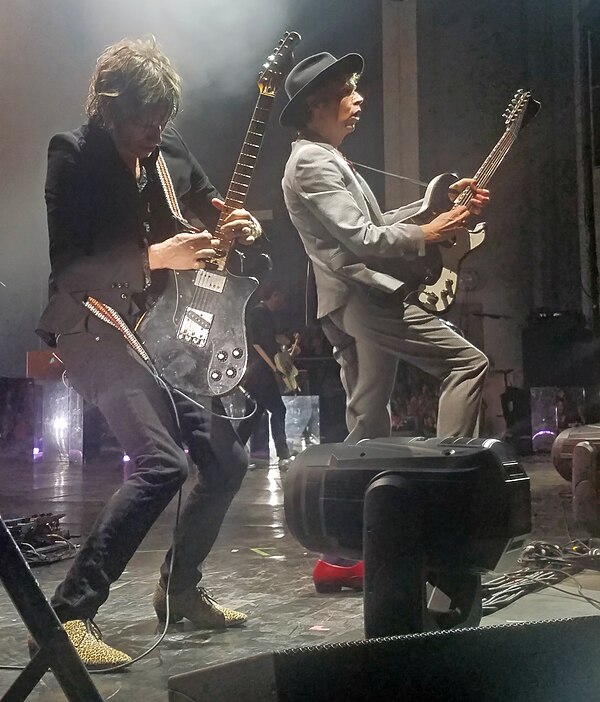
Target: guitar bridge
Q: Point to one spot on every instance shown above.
(194, 327)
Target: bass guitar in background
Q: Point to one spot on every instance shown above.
(433, 280)
(284, 362)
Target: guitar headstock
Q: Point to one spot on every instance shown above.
(277, 65)
(521, 110)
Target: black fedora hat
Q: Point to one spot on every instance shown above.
(311, 71)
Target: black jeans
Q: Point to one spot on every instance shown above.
(261, 384)
(108, 373)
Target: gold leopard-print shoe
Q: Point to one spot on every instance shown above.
(196, 605)
(87, 641)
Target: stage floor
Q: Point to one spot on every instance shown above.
(256, 566)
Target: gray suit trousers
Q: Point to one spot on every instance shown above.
(369, 339)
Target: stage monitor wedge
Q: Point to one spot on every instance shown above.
(553, 661)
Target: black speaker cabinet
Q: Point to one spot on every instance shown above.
(553, 661)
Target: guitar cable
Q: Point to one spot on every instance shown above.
(420, 183)
(162, 635)
(110, 316)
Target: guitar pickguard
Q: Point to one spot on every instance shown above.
(438, 296)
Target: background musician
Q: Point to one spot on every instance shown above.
(261, 379)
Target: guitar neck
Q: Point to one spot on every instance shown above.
(294, 344)
(244, 170)
(489, 166)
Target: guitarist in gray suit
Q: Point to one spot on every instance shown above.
(346, 236)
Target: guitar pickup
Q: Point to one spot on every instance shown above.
(210, 280)
(194, 327)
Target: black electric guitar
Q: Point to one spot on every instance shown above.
(195, 333)
(434, 278)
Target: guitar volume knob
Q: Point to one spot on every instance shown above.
(237, 353)
(216, 375)
(222, 356)
(231, 372)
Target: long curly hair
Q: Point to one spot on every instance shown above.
(130, 77)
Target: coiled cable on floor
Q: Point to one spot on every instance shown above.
(546, 565)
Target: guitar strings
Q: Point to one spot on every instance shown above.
(256, 127)
(492, 162)
(488, 168)
(264, 103)
(495, 159)
(500, 150)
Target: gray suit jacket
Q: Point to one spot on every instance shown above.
(344, 232)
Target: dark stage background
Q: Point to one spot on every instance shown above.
(470, 57)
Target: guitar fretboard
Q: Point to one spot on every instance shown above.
(244, 170)
(491, 163)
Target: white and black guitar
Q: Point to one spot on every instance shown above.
(434, 278)
(195, 333)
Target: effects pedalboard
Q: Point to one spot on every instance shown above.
(41, 539)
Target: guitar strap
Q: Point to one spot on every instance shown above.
(109, 315)
(167, 185)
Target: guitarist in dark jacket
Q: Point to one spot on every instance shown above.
(112, 238)
(346, 235)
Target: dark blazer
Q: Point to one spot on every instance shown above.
(100, 223)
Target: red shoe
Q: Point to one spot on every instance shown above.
(332, 578)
